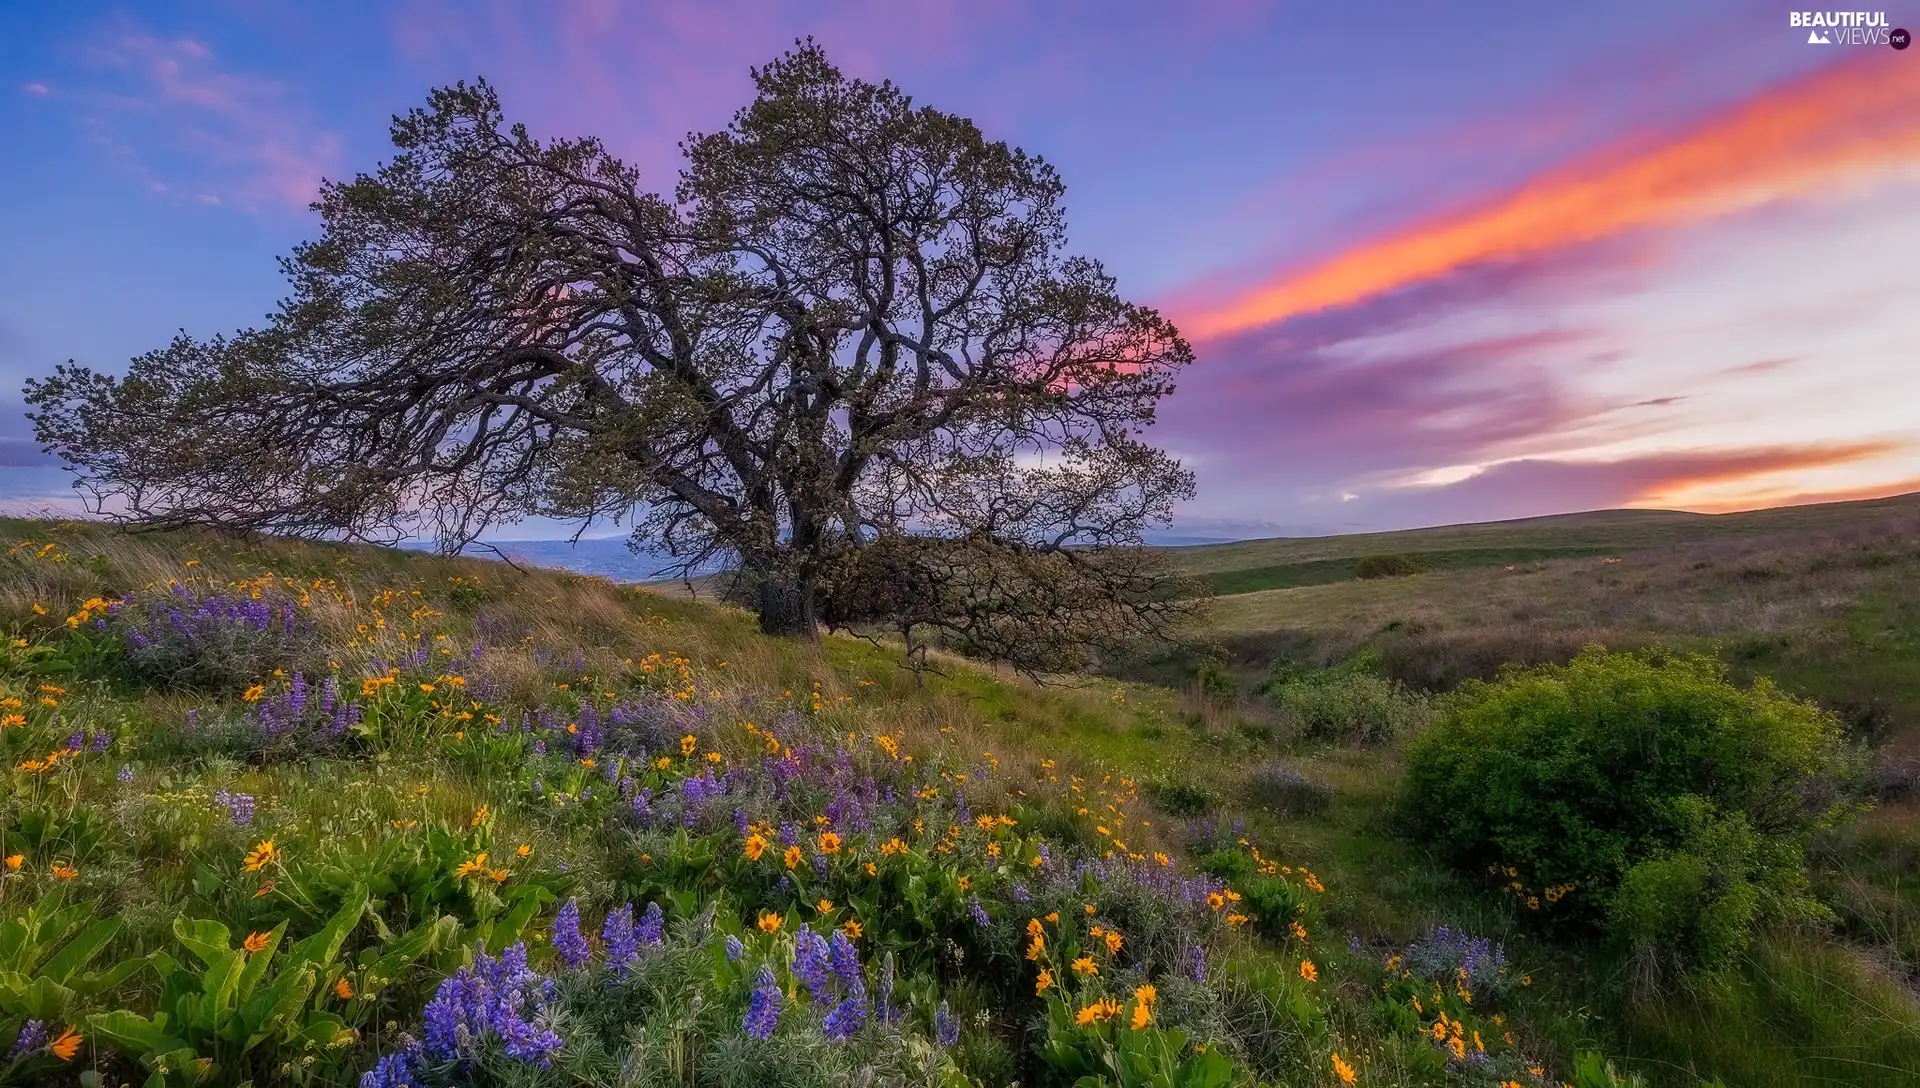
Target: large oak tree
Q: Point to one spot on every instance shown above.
(853, 324)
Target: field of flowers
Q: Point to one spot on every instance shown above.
(289, 814)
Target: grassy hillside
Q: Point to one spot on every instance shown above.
(507, 756)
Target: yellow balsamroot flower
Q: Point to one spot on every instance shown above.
(1085, 966)
(754, 847)
(1299, 932)
(262, 855)
(851, 928)
(479, 817)
(770, 922)
(1143, 999)
(793, 857)
(1038, 946)
(1308, 971)
(892, 846)
(824, 906)
(265, 889)
(14, 861)
(66, 1046)
(254, 693)
(1104, 1009)
(473, 866)
(829, 842)
(688, 743)
(63, 871)
(1345, 1072)
(1034, 929)
(343, 990)
(255, 941)
(1114, 941)
(1236, 920)
(1044, 982)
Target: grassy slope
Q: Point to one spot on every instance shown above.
(1793, 1021)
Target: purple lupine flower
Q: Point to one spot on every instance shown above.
(1020, 892)
(734, 949)
(653, 927)
(77, 740)
(33, 1036)
(618, 932)
(492, 998)
(539, 747)
(395, 1070)
(643, 806)
(810, 954)
(126, 773)
(763, 1008)
(567, 940)
(979, 912)
(1197, 963)
(846, 965)
(102, 741)
(946, 1030)
(844, 1019)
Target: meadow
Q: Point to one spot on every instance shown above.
(318, 814)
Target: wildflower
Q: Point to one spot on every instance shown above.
(810, 954)
(851, 928)
(979, 912)
(567, 940)
(1308, 971)
(63, 871)
(735, 949)
(622, 947)
(262, 855)
(793, 857)
(1038, 946)
(1342, 1070)
(14, 861)
(254, 693)
(829, 843)
(946, 1030)
(1299, 931)
(265, 889)
(824, 906)
(1114, 941)
(343, 989)
(770, 922)
(1043, 982)
(479, 817)
(33, 1036)
(255, 941)
(66, 1046)
(763, 1009)
(1237, 920)
(125, 774)
(1143, 999)
(1085, 966)
(687, 745)
(524, 849)
(474, 866)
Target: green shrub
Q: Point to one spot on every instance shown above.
(1385, 566)
(1638, 791)
(1215, 685)
(1177, 798)
(1348, 707)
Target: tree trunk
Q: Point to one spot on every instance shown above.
(788, 607)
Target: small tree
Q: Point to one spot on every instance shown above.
(855, 321)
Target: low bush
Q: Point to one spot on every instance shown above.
(1347, 706)
(1641, 792)
(214, 641)
(1385, 566)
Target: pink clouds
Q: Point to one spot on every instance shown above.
(175, 115)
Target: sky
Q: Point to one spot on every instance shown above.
(1440, 262)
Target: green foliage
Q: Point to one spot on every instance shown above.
(1639, 790)
(1346, 705)
(1214, 683)
(1178, 798)
(1385, 566)
(1110, 1054)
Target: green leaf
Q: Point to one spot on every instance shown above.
(272, 1007)
(81, 950)
(134, 1034)
(203, 937)
(322, 948)
(45, 999)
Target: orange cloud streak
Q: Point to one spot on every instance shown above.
(1787, 141)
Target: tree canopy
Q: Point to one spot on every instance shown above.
(854, 323)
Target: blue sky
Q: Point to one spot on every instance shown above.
(1442, 262)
